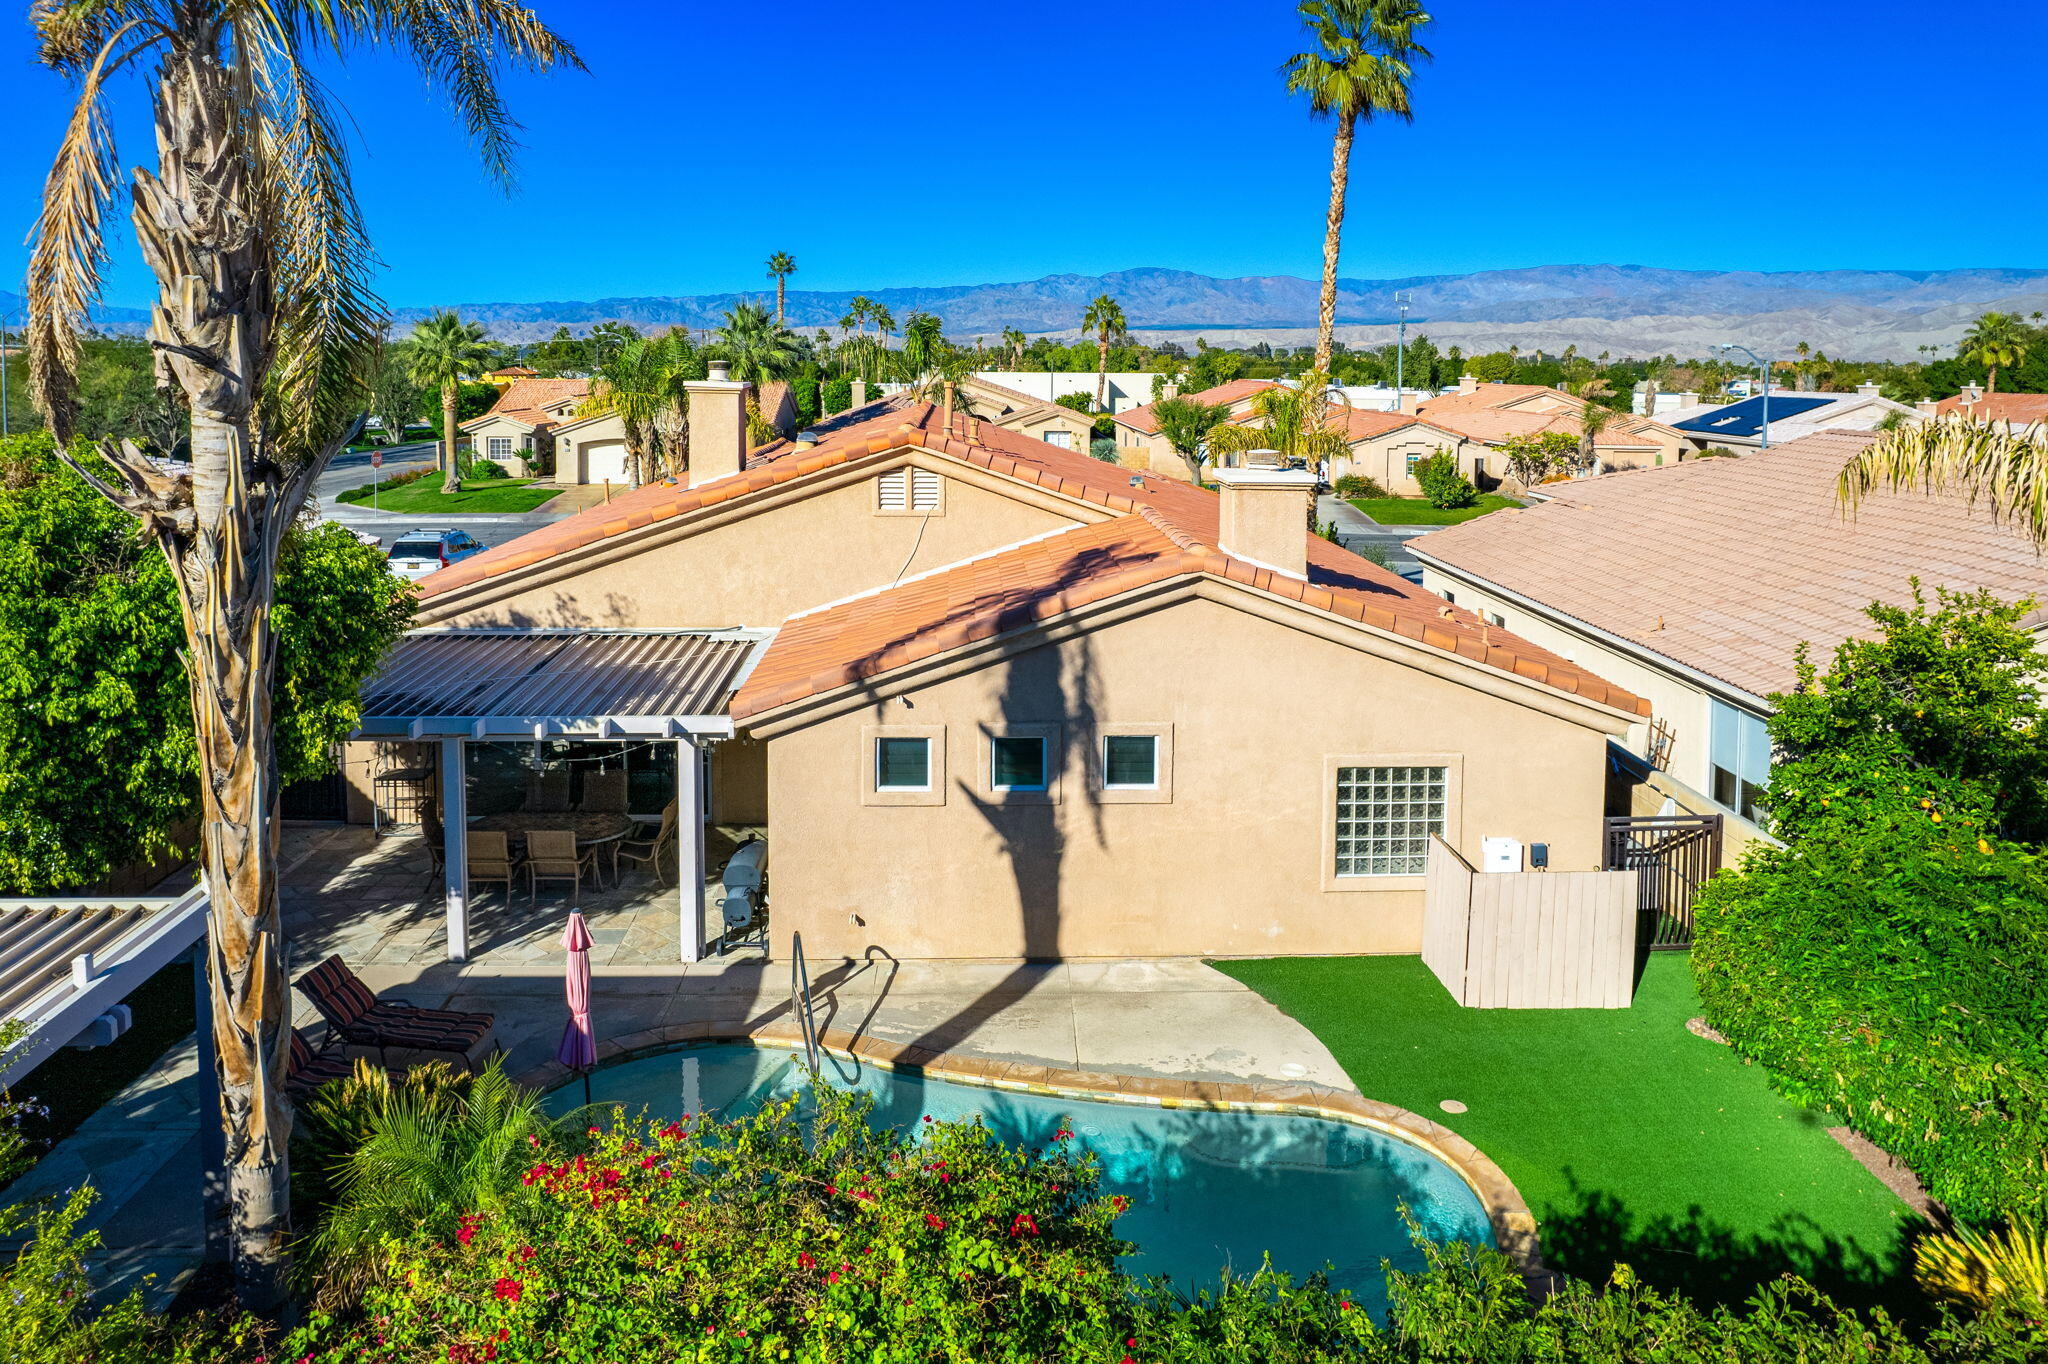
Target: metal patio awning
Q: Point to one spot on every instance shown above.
(66, 961)
(512, 683)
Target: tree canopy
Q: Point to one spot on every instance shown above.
(97, 762)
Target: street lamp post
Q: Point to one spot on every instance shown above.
(1400, 346)
(1765, 366)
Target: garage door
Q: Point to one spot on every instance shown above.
(605, 459)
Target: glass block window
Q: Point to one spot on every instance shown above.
(1130, 760)
(1017, 763)
(1385, 816)
(903, 764)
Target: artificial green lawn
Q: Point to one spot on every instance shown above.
(1631, 1139)
(1415, 511)
(424, 496)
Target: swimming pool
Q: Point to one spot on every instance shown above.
(1208, 1188)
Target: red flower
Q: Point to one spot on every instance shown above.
(647, 1162)
(504, 1333)
(806, 1260)
(467, 1234)
(508, 1289)
(532, 1140)
(1128, 1360)
(935, 1222)
(1344, 1306)
(1024, 1225)
(490, 1349)
(526, 1252)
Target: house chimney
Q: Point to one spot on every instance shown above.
(1927, 407)
(1265, 512)
(1971, 393)
(1408, 401)
(1688, 399)
(1468, 383)
(1869, 390)
(860, 393)
(718, 425)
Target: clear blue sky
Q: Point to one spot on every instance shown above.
(913, 142)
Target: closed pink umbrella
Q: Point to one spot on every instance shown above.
(579, 1041)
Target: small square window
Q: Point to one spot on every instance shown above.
(903, 764)
(500, 445)
(1130, 761)
(1017, 763)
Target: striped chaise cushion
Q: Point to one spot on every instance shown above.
(341, 998)
(359, 1017)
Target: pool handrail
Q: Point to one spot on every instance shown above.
(800, 1001)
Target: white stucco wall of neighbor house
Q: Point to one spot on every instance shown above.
(1126, 390)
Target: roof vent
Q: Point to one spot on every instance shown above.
(806, 440)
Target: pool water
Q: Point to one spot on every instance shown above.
(1208, 1189)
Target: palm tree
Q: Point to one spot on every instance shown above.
(1185, 423)
(642, 383)
(1996, 340)
(1294, 421)
(444, 351)
(1988, 462)
(781, 266)
(1364, 56)
(264, 321)
(924, 344)
(757, 347)
(885, 322)
(1594, 416)
(1014, 338)
(1105, 317)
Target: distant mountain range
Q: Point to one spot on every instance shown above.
(1623, 309)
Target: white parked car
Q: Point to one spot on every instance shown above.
(417, 553)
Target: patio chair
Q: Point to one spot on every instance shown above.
(360, 1019)
(490, 859)
(547, 792)
(604, 793)
(551, 855)
(660, 851)
(310, 1068)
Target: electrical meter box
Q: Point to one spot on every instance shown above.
(1500, 854)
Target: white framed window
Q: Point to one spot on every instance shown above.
(1385, 816)
(1062, 440)
(499, 446)
(1495, 618)
(1130, 762)
(903, 762)
(1019, 762)
(911, 490)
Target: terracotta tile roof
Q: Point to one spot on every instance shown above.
(1186, 517)
(2023, 408)
(1359, 424)
(1491, 395)
(525, 400)
(1236, 391)
(1725, 565)
(513, 372)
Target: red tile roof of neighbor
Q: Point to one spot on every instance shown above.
(1493, 395)
(1727, 565)
(1163, 528)
(2023, 408)
(1236, 391)
(525, 400)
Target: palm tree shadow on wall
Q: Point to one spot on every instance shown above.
(1048, 688)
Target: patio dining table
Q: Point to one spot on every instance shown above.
(593, 829)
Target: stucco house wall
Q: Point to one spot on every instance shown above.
(578, 441)
(1234, 856)
(828, 540)
(1385, 459)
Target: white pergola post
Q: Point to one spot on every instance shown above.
(690, 846)
(455, 844)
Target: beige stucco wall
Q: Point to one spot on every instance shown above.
(1234, 862)
(569, 442)
(1384, 459)
(822, 544)
(1080, 429)
(739, 781)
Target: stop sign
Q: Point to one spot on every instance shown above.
(376, 459)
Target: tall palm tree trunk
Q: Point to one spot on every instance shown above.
(1990, 380)
(197, 228)
(780, 285)
(1333, 239)
(449, 463)
(1101, 373)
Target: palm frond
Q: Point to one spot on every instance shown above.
(70, 231)
(1986, 462)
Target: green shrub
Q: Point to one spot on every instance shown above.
(1104, 450)
(483, 470)
(1357, 485)
(1443, 485)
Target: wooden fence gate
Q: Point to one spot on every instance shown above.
(1672, 856)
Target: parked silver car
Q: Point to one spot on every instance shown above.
(417, 553)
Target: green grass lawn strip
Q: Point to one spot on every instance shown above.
(424, 496)
(1414, 511)
(1630, 1138)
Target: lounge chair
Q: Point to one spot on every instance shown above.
(360, 1019)
(551, 855)
(658, 852)
(490, 859)
(310, 1068)
(604, 793)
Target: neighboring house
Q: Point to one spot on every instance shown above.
(521, 423)
(1646, 399)
(1739, 426)
(2017, 411)
(504, 378)
(1017, 411)
(1139, 444)
(1491, 414)
(1692, 585)
(1125, 390)
(989, 698)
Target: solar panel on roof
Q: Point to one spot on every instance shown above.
(1746, 418)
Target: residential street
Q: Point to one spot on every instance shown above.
(353, 470)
